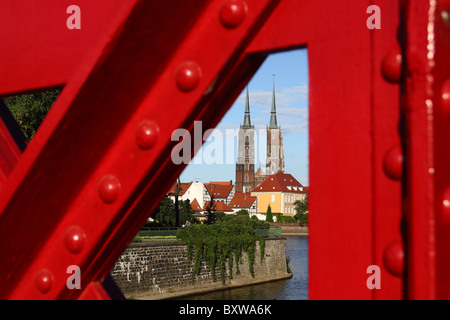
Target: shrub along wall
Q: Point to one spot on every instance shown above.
(164, 270)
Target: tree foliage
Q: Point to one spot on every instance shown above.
(29, 110)
(165, 213)
(222, 243)
(301, 207)
(269, 215)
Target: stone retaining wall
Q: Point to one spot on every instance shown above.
(162, 270)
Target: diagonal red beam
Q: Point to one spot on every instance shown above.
(39, 51)
(12, 143)
(129, 79)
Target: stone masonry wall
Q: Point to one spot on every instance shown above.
(162, 270)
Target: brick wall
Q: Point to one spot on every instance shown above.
(162, 270)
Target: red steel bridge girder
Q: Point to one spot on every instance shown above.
(138, 70)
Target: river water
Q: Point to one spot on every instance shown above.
(295, 288)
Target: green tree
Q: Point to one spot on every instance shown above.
(221, 216)
(186, 211)
(269, 215)
(29, 110)
(210, 212)
(243, 212)
(165, 213)
(176, 194)
(301, 207)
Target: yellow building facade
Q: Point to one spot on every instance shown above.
(280, 191)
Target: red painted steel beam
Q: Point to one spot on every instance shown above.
(101, 161)
(12, 143)
(441, 133)
(387, 151)
(355, 205)
(100, 169)
(39, 50)
(428, 174)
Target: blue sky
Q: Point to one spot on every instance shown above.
(291, 90)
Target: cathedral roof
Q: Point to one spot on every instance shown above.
(259, 172)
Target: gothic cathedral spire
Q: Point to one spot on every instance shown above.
(247, 122)
(245, 165)
(273, 111)
(275, 153)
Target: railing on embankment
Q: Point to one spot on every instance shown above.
(157, 234)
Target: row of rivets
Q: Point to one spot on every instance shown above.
(74, 240)
(393, 163)
(187, 78)
(445, 100)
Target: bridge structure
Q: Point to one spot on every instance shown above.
(133, 71)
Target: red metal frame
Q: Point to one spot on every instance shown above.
(137, 70)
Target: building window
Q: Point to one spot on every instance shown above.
(246, 178)
(273, 198)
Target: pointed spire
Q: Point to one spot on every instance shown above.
(247, 122)
(273, 112)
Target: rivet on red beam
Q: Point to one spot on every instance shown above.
(74, 239)
(187, 76)
(394, 257)
(109, 189)
(44, 281)
(393, 163)
(146, 134)
(446, 207)
(446, 98)
(391, 66)
(232, 13)
(445, 5)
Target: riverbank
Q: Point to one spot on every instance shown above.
(293, 288)
(156, 271)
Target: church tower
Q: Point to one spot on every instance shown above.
(245, 165)
(275, 153)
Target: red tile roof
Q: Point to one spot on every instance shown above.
(242, 201)
(195, 206)
(219, 190)
(280, 182)
(183, 185)
(218, 206)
